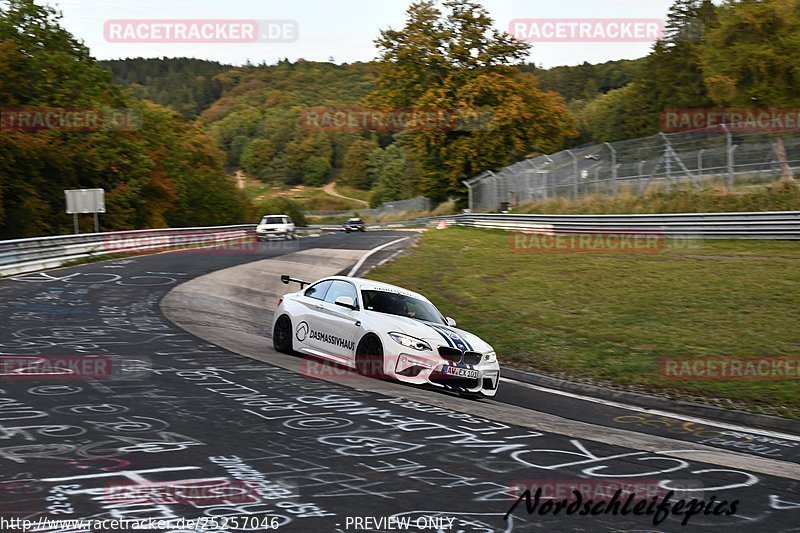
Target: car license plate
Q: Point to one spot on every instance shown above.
(461, 372)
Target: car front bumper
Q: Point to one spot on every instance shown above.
(481, 379)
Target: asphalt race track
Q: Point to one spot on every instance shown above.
(181, 428)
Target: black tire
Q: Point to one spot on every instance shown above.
(282, 335)
(369, 357)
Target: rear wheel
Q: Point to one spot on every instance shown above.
(369, 357)
(282, 335)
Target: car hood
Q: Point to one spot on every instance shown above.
(434, 334)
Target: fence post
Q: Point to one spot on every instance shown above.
(667, 161)
(469, 194)
(545, 175)
(575, 174)
(700, 161)
(641, 177)
(613, 161)
(729, 152)
(597, 181)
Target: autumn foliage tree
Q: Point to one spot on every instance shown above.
(453, 60)
(159, 171)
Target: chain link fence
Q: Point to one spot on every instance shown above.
(420, 203)
(669, 160)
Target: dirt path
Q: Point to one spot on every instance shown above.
(330, 188)
(241, 180)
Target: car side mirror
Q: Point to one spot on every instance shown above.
(450, 322)
(346, 301)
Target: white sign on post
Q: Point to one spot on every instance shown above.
(86, 201)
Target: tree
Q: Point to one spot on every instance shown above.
(165, 173)
(388, 170)
(257, 158)
(455, 62)
(355, 166)
(316, 171)
(752, 58)
(618, 115)
(299, 152)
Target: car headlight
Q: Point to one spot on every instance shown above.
(409, 342)
(490, 357)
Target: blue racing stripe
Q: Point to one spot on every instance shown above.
(460, 343)
(440, 333)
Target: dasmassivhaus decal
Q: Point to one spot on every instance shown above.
(304, 331)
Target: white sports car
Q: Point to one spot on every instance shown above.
(383, 331)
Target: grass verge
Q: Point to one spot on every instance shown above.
(784, 196)
(610, 317)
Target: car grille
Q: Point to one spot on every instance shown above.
(472, 358)
(451, 354)
(456, 356)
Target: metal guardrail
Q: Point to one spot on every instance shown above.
(27, 255)
(31, 254)
(758, 225)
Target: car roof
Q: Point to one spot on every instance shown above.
(265, 216)
(363, 283)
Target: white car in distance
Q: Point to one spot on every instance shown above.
(275, 227)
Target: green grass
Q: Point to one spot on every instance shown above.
(611, 317)
(352, 192)
(307, 198)
(712, 199)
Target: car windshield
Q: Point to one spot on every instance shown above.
(354, 221)
(272, 220)
(393, 303)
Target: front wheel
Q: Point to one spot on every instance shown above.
(282, 335)
(369, 357)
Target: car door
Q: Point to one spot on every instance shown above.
(340, 325)
(308, 320)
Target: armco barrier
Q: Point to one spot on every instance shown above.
(759, 225)
(28, 255)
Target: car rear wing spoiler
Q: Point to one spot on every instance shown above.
(286, 280)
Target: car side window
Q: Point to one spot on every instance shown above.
(341, 288)
(319, 290)
(288, 220)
